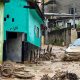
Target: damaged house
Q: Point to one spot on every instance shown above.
(22, 30)
(63, 20)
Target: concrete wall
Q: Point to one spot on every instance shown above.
(25, 20)
(15, 10)
(73, 34)
(68, 37)
(34, 22)
(60, 37)
(1, 30)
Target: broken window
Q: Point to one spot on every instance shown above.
(12, 19)
(36, 31)
(68, 24)
(4, 19)
(8, 16)
(72, 10)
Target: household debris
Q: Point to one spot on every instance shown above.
(52, 53)
(71, 57)
(46, 54)
(49, 53)
(9, 69)
(23, 75)
(46, 77)
(61, 76)
(64, 76)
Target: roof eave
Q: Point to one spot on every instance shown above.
(37, 8)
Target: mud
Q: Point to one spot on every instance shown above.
(48, 68)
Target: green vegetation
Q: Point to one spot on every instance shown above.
(78, 26)
(57, 27)
(56, 42)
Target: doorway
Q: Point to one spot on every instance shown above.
(78, 34)
(14, 46)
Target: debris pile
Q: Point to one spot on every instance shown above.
(47, 54)
(71, 57)
(46, 77)
(59, 52)
(64, 76)
(9, 69)
(52, 53)
(61, 76)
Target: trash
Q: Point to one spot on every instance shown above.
(10, 69)
(71, 58)
(7, 69)
(46, 77)
(23, 75)
(47, 54)
(61, 76)
(65, 76)
(52, 53)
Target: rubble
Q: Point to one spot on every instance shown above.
(46, 77)
(57, 53)
(64, 76)
(23, 75)
(10, 69)
(52, 53)
(47, 54)
(7, 69)
(71, 57)
(61, 76)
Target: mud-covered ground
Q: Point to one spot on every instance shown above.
(50, 67)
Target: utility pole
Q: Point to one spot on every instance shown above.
(74, 18)
(46, 31)
(74, 15)
(46, 23)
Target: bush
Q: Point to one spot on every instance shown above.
(56, 42)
